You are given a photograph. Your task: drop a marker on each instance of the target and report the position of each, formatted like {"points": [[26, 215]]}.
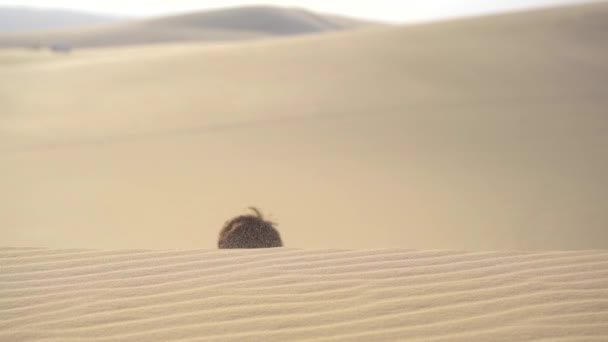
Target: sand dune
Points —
{"points": [[302, 295], [237, 23], [482, 133], [476, 134]]}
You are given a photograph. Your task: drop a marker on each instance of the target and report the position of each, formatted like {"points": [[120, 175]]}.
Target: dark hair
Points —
{"points": [[249, 231]]}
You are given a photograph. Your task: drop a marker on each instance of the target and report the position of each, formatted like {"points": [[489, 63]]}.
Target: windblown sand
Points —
{"points": [[302, 295], [475, 134]]}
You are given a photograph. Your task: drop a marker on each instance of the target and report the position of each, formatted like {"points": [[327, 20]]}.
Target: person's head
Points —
{"points": [[249, 231]]}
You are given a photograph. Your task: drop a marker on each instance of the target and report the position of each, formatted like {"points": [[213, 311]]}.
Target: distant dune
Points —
{"points": [[24, 19], [480, 133], [302, 295], [225, 24]]}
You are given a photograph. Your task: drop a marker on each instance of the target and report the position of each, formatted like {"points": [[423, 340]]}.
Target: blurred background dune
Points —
{"points": [[475, 133]]}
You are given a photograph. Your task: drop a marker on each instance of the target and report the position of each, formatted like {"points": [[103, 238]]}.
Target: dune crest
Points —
{"points": [[313, 295], [231, 24]]}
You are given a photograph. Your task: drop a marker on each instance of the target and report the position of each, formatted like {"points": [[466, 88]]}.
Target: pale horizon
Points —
{"points": [[383, 10]]}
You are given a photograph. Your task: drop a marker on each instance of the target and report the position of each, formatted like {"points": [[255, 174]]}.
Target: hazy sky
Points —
{"points": [[389, 10]]}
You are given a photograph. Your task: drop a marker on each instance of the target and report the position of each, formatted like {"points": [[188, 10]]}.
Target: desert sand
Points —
{"points": [[437, 182], [281, 294], [480, 133], [230, 24]]}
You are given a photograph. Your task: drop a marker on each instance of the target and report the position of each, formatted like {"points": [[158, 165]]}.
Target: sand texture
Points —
{"points": [[302, 295]]}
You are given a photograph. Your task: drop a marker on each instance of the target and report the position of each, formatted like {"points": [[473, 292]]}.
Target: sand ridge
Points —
{"points": [[229, 24], [304, 295]]}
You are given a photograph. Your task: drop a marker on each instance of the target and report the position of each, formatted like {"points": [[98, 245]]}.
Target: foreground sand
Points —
{"points": [[292, 294]]}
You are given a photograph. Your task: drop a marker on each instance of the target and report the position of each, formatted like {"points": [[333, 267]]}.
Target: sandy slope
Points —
{"points": [[302, 295], [238, 23], [486, 133]]}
